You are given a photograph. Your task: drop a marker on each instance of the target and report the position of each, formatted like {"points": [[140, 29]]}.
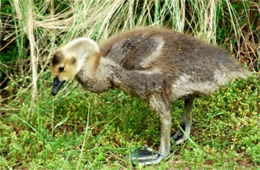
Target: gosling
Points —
{"points": [[158, 65]]}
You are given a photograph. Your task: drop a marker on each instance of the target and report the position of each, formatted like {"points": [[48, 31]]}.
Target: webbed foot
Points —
{"points": [[146, 156]]}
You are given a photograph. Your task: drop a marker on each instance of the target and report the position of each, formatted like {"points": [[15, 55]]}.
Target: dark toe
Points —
{"points": [[144, 154], [178, 136], [157, 160]]}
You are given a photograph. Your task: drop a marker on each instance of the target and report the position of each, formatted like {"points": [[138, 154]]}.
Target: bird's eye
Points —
{"points": [[61, 69]]}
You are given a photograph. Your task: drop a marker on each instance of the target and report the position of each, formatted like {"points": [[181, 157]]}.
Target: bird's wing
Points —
{"points": [[143, 54], [135, 52]]}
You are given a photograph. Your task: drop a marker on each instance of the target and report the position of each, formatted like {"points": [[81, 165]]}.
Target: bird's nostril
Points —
{"points": [[55, 81]]}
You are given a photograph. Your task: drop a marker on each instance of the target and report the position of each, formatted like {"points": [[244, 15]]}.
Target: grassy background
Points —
{"points": [[78, 129]]}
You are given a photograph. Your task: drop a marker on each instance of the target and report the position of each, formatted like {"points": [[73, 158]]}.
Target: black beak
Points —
{"points": [[56, 85]]}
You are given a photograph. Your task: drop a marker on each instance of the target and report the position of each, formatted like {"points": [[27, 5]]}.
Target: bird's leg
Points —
{"points": [[182, 135], [166, 122], [149, 156]]}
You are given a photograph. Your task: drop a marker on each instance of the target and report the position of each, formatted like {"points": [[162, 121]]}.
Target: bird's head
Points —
{"points": [[69, 59]]}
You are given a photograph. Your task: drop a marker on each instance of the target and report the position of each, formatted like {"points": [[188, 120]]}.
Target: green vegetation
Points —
{"points": [[81, 130]]}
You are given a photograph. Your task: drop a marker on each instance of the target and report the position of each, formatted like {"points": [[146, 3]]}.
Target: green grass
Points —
{"points": [[81, 130], [225, 132]]}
